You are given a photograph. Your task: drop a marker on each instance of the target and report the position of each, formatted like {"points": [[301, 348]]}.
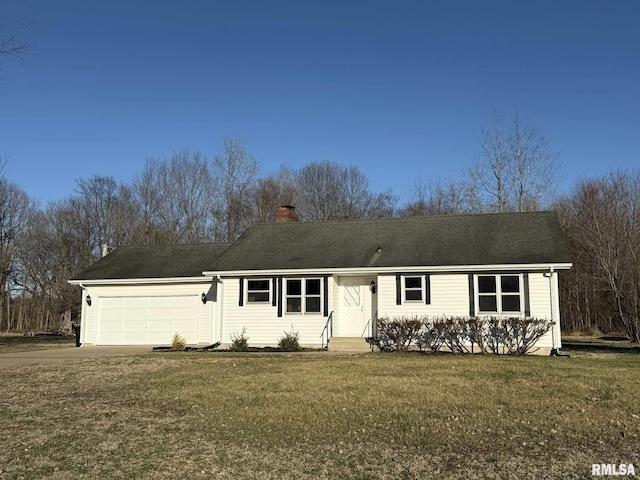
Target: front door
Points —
{"points": [[352, 303]]}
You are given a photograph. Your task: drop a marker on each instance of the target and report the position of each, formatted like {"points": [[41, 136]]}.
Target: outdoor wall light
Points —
{"points": [[203, 297], [372, 286], [88, 299]]}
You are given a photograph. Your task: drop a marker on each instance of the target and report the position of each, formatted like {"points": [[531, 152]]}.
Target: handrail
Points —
{"points": [[373, 321], [328, 328], [364, 330]]}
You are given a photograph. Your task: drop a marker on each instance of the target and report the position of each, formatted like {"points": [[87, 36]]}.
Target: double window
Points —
{"points": [[303, 295], [499, 294], [290, 295]]}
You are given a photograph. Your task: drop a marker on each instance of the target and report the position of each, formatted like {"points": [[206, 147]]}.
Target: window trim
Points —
{"points": [[247, 291], [425, 287], [498, 294], [303, 295], [307, 296], [406, 289]]}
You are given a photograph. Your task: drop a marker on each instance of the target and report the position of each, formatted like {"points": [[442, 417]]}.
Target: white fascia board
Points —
{"points": [[140, 281], [383, 270]]}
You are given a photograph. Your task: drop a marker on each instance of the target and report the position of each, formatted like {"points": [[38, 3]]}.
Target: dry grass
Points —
{"points": [[10, 343], [198, 415]]}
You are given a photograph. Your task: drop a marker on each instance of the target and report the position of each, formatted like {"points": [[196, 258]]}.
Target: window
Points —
{"points": [[413, 289], [499, 294], [294, 296], [258, 290], [312, 295], [304, 295]]}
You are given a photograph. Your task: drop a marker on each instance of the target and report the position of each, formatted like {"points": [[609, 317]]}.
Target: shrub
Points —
{"points": [[398, 333], [451, 332], [475, 333], [521, 334], [514, 335], [289, 342], [178, 343], [455, 334], [499, 335], [431, 337], [239, 342]]}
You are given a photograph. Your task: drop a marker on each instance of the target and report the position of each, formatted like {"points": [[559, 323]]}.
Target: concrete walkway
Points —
{"points": [[56, 355]]}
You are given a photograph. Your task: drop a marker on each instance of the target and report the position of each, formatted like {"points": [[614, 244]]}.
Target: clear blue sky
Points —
{"points": [[399, 88]]}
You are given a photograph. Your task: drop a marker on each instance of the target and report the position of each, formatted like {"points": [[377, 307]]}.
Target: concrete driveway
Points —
{"points": [[19, 359]]}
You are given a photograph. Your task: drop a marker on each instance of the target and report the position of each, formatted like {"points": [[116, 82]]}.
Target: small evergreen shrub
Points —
{"points": [[239, 342], [178, 343], [290, 341]]}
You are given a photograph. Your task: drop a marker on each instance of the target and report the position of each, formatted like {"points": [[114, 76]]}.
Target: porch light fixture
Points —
{"points": [[372, 286], [203, 297], [88, 299]]}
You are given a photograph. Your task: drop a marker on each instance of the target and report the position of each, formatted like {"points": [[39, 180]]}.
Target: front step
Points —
{"points": [[348, 344]]}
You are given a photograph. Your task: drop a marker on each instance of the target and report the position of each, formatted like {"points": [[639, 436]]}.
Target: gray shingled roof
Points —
{"points": [[489, 239], [155, 261]]}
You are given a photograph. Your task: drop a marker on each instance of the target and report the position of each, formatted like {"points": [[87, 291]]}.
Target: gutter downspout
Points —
{"points": [[555, 329], [83, 314]]}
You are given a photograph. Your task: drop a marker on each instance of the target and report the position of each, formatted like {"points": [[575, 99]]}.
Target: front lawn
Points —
{"points": [[10, 343], [197, 415]]}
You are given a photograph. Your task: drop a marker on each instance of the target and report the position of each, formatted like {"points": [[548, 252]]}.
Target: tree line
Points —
{"points": [[191, 197]]}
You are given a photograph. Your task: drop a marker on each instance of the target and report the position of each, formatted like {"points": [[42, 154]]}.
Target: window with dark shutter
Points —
{"points": [[258, 290]]}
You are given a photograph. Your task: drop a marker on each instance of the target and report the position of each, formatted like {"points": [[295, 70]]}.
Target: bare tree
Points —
{"points": [[438, 198], [235, 173], [328, 191], [174, 199], [602, 218], [145, 198], [95, 201], [16, 211], [516, 171], [271, 192], [51, 252], [11, 45]]}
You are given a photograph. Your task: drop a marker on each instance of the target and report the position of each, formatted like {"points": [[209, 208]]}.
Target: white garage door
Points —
{"points": [[147, 320]]}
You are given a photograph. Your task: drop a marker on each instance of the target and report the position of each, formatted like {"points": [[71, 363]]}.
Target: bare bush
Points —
{"points": [[460, 334], [398, 333], [515, 335]]}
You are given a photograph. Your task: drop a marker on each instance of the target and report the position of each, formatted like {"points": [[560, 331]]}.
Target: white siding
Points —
{"points": [[263, 326], [221, 316], [449, 296], [540, 302], [539, 295], [544, 304], [88, 321]]}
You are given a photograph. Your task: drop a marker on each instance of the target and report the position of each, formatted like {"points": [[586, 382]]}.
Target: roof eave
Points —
{"points": [[139, 281], [407, 269]]}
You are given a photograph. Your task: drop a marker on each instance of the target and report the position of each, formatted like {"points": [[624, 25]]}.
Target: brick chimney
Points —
{"points": [[285, 214]]}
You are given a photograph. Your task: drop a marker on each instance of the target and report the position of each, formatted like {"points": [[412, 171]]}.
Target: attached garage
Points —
{"points": [[145, 295], [147, 320]]}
